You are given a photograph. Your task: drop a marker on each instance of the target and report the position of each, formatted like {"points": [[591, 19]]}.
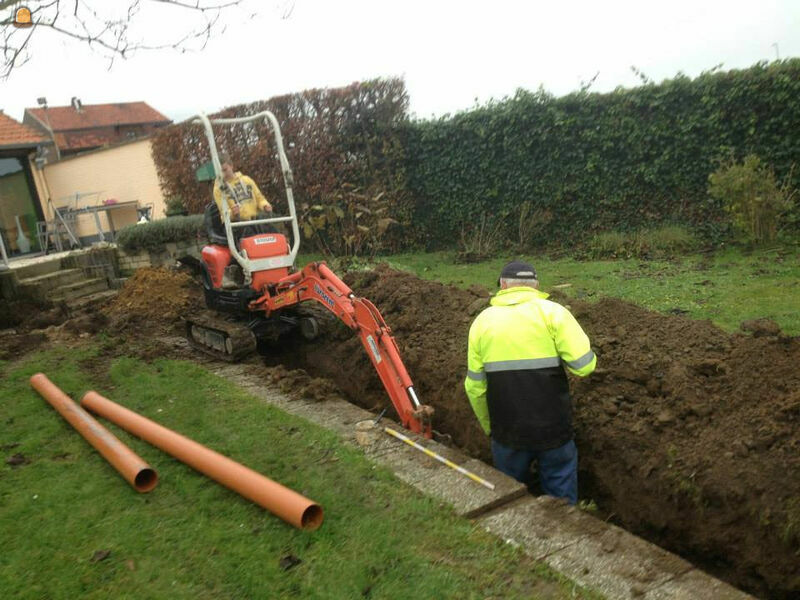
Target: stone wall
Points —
{"points": [[130, 261]]}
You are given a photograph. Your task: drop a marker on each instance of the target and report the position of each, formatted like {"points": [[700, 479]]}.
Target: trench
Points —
{"points": [[688, 436]]}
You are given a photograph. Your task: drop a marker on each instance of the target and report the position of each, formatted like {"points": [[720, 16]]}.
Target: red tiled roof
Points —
{"points": [[83, 139], [14, 133], [63, 118]]}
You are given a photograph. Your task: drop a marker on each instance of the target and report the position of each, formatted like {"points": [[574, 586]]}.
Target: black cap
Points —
{"points": [[517, 270]]}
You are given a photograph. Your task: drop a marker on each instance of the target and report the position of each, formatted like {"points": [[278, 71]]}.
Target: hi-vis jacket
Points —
{"points": [[243, 191], [518, 348]]}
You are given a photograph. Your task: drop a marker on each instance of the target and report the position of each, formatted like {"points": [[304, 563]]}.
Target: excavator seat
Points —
{"points": [[213, 225]]}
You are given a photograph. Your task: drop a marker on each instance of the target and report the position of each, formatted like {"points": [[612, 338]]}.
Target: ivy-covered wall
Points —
{"points": [[590, 161]]}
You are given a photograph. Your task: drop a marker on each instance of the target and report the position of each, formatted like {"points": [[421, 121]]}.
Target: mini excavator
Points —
{"points": [[272, 297]]}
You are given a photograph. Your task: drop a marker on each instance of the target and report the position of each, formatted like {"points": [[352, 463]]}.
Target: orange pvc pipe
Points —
{"points": [[281, 501], [135, 471]]}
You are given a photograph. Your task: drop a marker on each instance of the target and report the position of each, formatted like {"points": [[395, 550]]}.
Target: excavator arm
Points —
{"points": [[316, 282]]}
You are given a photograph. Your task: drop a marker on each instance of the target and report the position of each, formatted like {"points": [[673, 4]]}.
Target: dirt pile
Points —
{"points": [[154, 299], [688, 435]]}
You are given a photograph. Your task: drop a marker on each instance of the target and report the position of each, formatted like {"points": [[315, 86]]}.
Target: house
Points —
{"points": [[98, 190], [80, 127], [20, 204]]}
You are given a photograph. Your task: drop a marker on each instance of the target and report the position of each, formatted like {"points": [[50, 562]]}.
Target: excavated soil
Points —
{"points": [[154, 298], [688, 436]]}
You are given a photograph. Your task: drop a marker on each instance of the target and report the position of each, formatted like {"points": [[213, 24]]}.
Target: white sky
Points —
{"points": [[449, 52]]}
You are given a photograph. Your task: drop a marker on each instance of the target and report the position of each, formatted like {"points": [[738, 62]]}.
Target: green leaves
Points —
{"points": [[153, 235], [619, 161], [750, 192], [624, 160]]}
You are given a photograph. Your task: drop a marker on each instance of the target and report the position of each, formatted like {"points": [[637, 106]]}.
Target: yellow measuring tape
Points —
{"points": [[438, 457]]}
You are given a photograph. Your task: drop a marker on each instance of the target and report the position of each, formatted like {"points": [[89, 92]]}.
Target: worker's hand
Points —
{"points": [[235, 212]]}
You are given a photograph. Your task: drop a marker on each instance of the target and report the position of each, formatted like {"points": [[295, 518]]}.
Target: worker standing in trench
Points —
{"points": [[516, 384]]}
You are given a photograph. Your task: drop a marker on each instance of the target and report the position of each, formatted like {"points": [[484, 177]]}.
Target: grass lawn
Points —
{"points": [[728, 287], [192, 538]]}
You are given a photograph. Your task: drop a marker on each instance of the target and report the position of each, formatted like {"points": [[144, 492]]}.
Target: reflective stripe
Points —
{"points": [[477, 376], [525, 363], [582, 361]]}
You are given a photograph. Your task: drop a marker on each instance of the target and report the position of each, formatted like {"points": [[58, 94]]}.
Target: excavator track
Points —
{"points": [[219, 337]]}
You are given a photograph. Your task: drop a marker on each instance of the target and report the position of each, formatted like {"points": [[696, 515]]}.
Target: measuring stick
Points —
{"points": [[438, 457]]}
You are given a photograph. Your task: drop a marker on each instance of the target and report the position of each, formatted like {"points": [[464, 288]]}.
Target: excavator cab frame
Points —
{"points": [[250, 266]]}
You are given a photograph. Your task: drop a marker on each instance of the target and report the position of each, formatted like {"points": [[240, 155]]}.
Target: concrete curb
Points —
{"points": [[583, 548]]}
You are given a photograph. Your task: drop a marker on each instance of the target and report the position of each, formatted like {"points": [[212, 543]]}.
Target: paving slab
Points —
{"points": [[467, 497], [617, 563], [541, 525], [695, 585], [599, 555]]}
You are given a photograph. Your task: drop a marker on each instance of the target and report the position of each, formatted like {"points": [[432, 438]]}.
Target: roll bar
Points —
{"points": [[263, 264]]}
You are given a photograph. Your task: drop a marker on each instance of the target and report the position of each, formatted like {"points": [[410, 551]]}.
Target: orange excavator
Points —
{"points": [[273, 297]]}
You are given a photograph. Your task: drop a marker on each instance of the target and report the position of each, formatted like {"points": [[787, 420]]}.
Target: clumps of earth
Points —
{"points": [[297, 382], [154, 297]]}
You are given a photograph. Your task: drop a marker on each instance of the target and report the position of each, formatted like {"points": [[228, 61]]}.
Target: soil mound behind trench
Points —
{"points": [[687, 435]]}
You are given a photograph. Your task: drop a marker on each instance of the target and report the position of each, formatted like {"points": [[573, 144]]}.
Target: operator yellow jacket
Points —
{"points": [[243, 191], [516, 384]]}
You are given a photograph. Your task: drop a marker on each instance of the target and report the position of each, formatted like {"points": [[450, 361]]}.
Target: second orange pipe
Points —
{"points": [[281, 501]]}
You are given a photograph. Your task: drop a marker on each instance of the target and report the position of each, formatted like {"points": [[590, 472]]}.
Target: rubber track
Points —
{"points": [[243, 340]]}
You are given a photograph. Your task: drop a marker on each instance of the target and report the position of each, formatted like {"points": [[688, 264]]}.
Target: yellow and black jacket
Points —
{"points": [[516, 384], [241, 190]]}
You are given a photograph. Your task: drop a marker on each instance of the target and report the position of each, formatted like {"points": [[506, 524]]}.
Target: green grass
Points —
{"points": [[728, 287], [192, 538], [657, 242]]}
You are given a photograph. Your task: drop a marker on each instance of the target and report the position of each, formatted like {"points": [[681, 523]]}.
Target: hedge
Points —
{"points": [[574, 165], [334, 139], [153, 235], [593, 162]]}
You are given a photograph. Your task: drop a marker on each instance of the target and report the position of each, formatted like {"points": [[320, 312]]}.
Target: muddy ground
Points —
{"points": [[688, 436]]}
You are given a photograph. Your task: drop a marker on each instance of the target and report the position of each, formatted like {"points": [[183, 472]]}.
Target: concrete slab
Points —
{"points": [[78, 289], [541, 525], [85, 303], [695, 585], [594, 553], [338, 416], [617, 563], [467, 497], [49, 281]]}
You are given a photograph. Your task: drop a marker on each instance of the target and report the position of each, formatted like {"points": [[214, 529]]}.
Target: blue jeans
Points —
{"points": [[558, 468]]}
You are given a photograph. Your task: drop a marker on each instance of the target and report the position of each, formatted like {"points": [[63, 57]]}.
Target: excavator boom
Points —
{"points": [[316, 282]]}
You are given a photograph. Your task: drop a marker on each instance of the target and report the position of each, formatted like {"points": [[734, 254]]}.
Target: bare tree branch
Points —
{"points": [[107, 27]]}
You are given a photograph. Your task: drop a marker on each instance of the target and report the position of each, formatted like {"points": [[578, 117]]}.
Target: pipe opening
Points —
{"points": [[146, 480], [312, 517]]}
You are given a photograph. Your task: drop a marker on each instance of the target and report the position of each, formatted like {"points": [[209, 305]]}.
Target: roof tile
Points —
{"points": [[64, 118], [14, 133]]}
